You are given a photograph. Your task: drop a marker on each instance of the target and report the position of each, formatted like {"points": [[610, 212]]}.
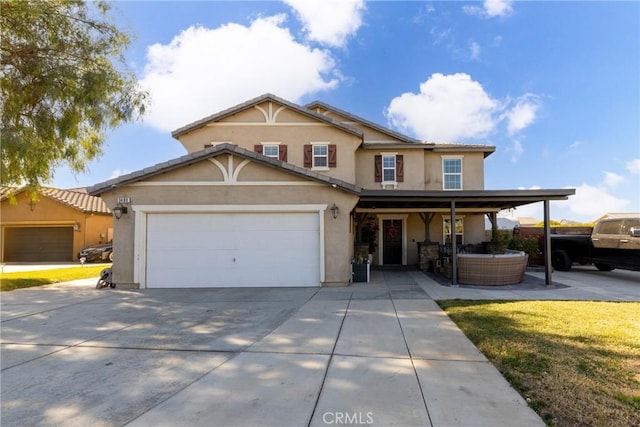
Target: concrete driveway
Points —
{"points": [[379, 354]]}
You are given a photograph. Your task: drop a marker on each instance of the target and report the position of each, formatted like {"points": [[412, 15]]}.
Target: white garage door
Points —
{"points": [[232, 249]]}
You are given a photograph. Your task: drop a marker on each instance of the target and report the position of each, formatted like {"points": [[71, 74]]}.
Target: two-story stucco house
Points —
{"points": [[276, 194]]}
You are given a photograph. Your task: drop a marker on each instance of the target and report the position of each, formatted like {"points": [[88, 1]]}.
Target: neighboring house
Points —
{"points": [[527, 221], [277, 194], [53, 228]]}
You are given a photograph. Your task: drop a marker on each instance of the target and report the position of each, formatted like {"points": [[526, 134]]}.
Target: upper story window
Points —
{"points": [[270, 150], [275, 150], [452, 173], [320, 156], [389, 168]]}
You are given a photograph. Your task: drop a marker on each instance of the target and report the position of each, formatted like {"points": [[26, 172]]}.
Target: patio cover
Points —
{"points": [[487, 201]]}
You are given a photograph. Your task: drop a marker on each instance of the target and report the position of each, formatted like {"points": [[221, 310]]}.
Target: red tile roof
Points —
{"points": [[77, 198]]}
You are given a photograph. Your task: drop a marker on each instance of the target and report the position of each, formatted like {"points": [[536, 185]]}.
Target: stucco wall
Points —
{"points": [[295, 130], [48, 213], [472, 170], [413, 168], [338, 237]]}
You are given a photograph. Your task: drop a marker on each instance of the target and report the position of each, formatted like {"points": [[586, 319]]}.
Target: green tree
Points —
{"points": [[64, 82]]}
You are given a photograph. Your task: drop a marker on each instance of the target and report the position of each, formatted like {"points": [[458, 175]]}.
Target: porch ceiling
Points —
{"points": [[489, 200]]}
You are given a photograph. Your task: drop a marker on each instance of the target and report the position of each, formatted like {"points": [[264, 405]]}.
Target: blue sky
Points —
{"points": [[555, 86]]}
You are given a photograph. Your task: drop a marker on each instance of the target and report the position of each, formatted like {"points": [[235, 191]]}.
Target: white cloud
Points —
{"points": [[439, 35], [329, 22], [575, 145], [475, 50], [491, 9], [202, 71], [452, 107], [516, 150], [448, 107], [633, 166], [523, 113], [497, 8], [591, 202], [612, 179], [119, 172]]}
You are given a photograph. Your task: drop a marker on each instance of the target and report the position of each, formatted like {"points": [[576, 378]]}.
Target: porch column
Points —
{"points": [[426, 219], [454, 246], [547, 245]]}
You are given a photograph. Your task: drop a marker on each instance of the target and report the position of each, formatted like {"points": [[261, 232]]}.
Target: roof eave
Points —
{"points": [[216, 151], [363, 121]]}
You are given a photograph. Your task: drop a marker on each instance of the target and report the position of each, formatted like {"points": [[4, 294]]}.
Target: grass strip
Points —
{"points": [[575, 362], [28, 279]]}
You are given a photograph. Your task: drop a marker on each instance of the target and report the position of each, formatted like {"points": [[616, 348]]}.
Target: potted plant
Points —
{"points": [[360, 269]]}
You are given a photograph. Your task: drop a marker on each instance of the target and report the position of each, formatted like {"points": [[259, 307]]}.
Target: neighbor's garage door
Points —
{"points": [[232, 249], [38, 244]]}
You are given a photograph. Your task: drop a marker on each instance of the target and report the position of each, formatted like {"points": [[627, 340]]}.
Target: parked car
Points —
{"points": [[614, 243], [99, 253]]}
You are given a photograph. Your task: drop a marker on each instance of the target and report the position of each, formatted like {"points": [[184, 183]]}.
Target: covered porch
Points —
{"points": [[390, 224]]}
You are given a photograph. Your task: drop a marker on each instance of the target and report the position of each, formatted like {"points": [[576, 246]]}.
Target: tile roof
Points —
{"points": [[255, 101], [382, 129], [214, 151], [76, 198]]}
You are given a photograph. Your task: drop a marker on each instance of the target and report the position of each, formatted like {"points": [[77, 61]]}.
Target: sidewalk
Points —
{"points": [[380, 354]]}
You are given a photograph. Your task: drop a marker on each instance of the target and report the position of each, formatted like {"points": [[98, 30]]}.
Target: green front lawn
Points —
{"points": [[27, 279], [575, 362]]}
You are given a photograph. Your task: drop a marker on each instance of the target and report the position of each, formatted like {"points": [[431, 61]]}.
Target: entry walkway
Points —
{"points": [[381, 353]]}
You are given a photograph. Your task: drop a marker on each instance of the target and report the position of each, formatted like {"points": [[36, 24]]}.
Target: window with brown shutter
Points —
{"points": [[282, 154], [400, 168], [378, 168], [333, 154], [257, 148], [308, 156]]}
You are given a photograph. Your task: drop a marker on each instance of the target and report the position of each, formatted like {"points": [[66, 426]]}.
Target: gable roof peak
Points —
{"points": [[258, 100]]}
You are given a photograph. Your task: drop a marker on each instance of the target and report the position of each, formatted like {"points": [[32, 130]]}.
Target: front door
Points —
{"points": [[392, 241]]}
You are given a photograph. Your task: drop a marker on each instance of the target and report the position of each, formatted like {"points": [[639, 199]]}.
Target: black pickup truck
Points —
{"points": [[613, 243]]}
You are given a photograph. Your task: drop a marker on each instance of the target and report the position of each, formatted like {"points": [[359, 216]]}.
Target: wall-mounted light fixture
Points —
{"points": [[334, 210], [119, 210], [76, 226]]}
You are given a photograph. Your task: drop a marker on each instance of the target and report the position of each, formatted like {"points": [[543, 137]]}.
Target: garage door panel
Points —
{"points": [[38, 244], [233, 249]]}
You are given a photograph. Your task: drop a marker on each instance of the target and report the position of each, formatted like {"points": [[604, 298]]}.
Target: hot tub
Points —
{"points": [[499, 269]]}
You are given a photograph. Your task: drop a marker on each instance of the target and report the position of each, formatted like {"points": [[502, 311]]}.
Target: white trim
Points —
{"points": [[385, 153], [221, 183], [270, 143], [381, 218], [229, 175], [244, 124], [313, 155], [384, 184], [461, 158], [225, 175], [142, 211], [270, 116]]}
